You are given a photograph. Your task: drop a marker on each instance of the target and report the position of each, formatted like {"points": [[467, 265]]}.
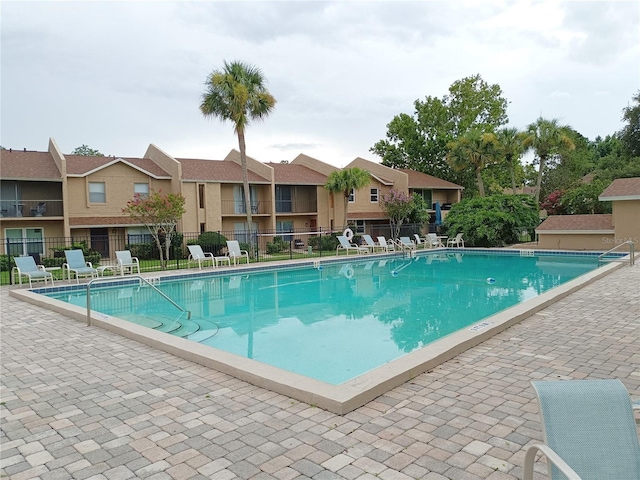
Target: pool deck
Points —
{"points": [[82, 402]]}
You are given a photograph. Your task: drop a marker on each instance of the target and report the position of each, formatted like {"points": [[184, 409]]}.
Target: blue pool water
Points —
{"points": [[342, 320]]}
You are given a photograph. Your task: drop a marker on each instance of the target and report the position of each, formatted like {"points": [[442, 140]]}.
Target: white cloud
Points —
{"points": [[120, 75]]}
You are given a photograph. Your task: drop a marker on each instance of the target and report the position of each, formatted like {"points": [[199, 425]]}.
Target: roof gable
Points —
{"points": [[292, 174], [83, 166], [622, 189], [216, 171], [423, 180]]}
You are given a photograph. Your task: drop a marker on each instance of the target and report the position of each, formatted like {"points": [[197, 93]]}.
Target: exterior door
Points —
{"points": [[100, 241]]}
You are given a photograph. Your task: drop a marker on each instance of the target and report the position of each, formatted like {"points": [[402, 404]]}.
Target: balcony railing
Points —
{"points": [[258, 207], [31, 208], [296, 206]]}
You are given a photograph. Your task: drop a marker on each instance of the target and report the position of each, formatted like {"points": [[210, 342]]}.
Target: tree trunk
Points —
{"points": [[539, 181], [245, 185], [345, 199], [167, 247], [156, 235], [480, 182], [512, 172]]}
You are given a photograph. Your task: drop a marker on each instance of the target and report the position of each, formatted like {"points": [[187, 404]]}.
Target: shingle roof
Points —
{"points": [[82, 165], [422, 180], [216, 171], [577, 223], [622, 189], [20, 165], [296, 174]]}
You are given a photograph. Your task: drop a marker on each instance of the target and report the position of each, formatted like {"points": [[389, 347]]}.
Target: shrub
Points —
{"points": [[212, 242], [325, 243], [277, 246], [492, 221], [6, 263], [149, 251]]}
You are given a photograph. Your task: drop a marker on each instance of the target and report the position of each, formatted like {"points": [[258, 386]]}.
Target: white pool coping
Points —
{"points": [[339, 399]]}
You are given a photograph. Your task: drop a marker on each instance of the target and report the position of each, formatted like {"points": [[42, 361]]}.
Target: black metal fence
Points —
{"points": [[262, 246]]}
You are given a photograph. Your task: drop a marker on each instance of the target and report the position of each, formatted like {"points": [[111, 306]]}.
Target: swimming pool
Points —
{"points": [[339, 321]]}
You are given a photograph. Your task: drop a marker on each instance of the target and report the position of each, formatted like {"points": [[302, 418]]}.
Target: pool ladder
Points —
{"points": [[632, 258], [119, 279]]}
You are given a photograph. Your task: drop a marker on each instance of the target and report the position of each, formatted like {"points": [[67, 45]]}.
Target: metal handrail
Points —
{"points": [[120, 279], [631, 251]]}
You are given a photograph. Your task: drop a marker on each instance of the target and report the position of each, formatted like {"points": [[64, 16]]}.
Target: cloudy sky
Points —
{"points": [[118, 76]]}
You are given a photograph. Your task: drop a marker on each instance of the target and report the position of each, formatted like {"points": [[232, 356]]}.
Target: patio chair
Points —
{"points": [[77, 264], [126, 263], [39, 209], [348, 246], [235, 252], [435, 241], [370, 244], [406, 244], [456, 241], [196, 255], [419, 243], [386, 246], [589, 431], [26, 267]]}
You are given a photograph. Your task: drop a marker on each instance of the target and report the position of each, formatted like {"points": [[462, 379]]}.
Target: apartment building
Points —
{"points": [[55, 195]]}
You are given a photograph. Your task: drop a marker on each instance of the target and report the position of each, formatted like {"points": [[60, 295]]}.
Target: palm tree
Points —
{"points": [[510, 146], [547, 139], [343, 181], [475, 149], [238, 93]]}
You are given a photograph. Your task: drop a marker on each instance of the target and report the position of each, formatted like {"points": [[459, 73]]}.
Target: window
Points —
{"points": [[283, 199], [97, 192], [352, 196], [24, 241], [285, 227], [238, 199], [374, 195], [201, 195], [426, 194], [138, 235], [203, 227], [360, 226], [242, 234], [141, 190]]}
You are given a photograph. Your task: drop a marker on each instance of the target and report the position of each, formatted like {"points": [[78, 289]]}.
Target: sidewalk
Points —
{"points": [[80, 402]]}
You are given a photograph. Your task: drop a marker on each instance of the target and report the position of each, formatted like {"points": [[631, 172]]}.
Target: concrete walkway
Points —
{"points": [[80, 402]]}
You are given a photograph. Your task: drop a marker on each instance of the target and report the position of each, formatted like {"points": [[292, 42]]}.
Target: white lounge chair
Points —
{"points": [[235, 252], [387, 246], [196, 255], [370, 244], [456, 241], [406, 244], [77, 264], [126, 263], [26, 267], [435, 241], [589, 431], [348, 246], [419, 243]]}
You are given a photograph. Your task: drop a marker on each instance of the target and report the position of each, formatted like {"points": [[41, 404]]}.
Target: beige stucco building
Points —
{"points": [[599, 231], [55, 195]]}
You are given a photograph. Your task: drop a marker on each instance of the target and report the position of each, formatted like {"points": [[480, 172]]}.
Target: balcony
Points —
{"points": [[296, 206], [31, 208], [232, 207]]}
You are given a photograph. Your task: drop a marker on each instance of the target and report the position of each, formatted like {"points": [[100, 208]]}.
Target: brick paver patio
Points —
{"points": [[80, 402]]}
